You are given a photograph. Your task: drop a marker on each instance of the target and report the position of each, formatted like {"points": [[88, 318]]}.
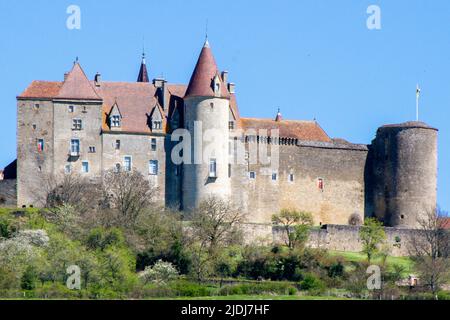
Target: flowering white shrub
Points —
{"points": [[160, 273], [37, 238]]}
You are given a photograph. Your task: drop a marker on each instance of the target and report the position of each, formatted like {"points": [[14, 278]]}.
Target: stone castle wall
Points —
{"points": [[341, 168], [331, 237], [8, 190]]}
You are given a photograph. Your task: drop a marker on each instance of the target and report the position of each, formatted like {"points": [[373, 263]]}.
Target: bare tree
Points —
{"points": [[125, 195], [72, 190], [430, 251], [214, 226]]}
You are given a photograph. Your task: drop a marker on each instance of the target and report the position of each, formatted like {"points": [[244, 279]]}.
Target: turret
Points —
{"points": [[404, 173], [207, 104]]}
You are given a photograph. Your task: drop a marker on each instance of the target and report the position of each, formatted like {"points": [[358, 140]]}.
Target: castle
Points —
{"points": [[89, 126]]}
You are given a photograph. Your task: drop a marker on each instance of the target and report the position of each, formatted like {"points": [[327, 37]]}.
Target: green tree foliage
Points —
{"points": [[296, 225], [372, 235]]}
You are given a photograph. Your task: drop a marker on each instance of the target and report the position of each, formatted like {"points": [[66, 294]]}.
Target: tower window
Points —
{"points": [[117, 145], [85, 167], [77, 124], [153, 167], [71, 109], [41, 145], [127, 163], [153, 144], [115, 121], [252, 175], [212, 168], [274, 176]]}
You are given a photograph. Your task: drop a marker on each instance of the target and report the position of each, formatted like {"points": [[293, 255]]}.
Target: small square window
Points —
{"points": [[67, 169], [231, 125], [71, 109], [91, 149], [77, 124], [85, 167], [274, 176], [117, 145], [153, 144], [252, 175], [291, 177]]}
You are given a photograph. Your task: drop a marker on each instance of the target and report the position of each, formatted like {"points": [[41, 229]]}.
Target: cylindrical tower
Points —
{"points": [[206, 116], [405, 173]]}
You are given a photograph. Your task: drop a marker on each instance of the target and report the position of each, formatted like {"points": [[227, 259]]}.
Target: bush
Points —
{"points": [[278, 288], [312, 284], [191, 289], [161, 272]]}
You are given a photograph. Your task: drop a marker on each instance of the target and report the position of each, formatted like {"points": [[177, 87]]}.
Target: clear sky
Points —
{"points": [[313, 59]]}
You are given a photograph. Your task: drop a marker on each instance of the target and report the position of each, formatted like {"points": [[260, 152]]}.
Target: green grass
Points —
{"points": [[405, 262]]}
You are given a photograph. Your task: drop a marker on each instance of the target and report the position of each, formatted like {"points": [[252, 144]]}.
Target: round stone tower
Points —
{"points": [[405, 173], [206, 114]]}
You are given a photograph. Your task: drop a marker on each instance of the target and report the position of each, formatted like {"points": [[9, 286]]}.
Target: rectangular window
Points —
{"points": [[91, 149], [71, 109], [117, 145], [252, 175], [77, 124], [320, 184], [231, 125], [229, 170], [85, 167], [153, 144], [291, 177], [153, 167], [75, 147], [212, 168], [67, 169], [274, 176], [41, 145], [157, 125], [127, 163], [115, 121]]}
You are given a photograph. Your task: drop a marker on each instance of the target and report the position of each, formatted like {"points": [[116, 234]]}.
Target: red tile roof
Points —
{"points": [[41, 90], [445, 223], [77, 86], [302, 130], [203, 75]]}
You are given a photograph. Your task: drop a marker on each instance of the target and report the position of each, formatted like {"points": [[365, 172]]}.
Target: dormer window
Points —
{"points": [[157, 125], [115, 121], [216, 85]]}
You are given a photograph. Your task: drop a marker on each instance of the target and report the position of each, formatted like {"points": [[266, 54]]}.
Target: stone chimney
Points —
{"points": [[225, 77], [98, 79], [231, 87], [160, 85]]}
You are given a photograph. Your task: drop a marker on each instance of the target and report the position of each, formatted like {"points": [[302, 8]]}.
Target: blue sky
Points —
{"points": [[313, 59]]}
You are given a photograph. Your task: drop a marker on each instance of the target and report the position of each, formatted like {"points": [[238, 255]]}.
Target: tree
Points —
{"points": [[70, 189], [214, 226], [296, 225], [430, 251], [126, 194], [160, 273], [372, 235]]}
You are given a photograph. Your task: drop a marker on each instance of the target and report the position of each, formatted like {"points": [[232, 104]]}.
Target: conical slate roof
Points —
{"points": [[204, 73], [77, 86]]}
